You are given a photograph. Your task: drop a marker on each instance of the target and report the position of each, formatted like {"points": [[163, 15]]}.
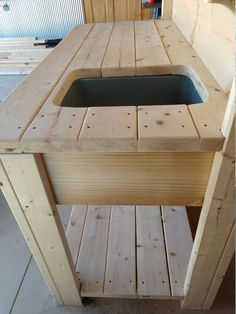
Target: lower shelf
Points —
{"points": [[130, 251]]}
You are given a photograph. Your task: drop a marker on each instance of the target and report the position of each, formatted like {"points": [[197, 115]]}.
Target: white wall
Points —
{"points": [[210, 29]]}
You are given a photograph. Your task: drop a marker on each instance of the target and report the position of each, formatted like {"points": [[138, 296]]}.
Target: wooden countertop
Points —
{"points": [[31, 120]]}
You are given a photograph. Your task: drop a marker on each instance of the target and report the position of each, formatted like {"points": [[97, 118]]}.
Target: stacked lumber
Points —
{"points": [[21, 55]]}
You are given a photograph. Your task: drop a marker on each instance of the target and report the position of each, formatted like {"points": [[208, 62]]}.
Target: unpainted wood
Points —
{"points": [[166, 9], [163, 127], [210, 30], [152, 272], [215, 224], [151, 57], [57, 129], [19, 109], [130, 178], [92, 256], [223, 265], [208, 116], [119, 59], [109, 129], [120, 277], [41, 222], [75, 230], [179, 243]]}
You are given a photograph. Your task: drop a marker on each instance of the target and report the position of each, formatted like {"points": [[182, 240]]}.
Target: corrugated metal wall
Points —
{"points": [[42, 18]]}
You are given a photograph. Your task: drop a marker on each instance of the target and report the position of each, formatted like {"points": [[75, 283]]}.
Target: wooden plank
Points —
{"points": [[152, 273], [222, 267], [133, 10], [120, 10], [75, 230], [151, 57], [121, 265], [29, 180], [130, 178], [208, 116], [179, 243], [92, 255], [109, 129], [103, 11], [18, 110], [57, 129], [88, 11], [54, 129], [166, 128], [88, 61], [119, 59], [166, 9], [215, 223], [13, 71], [21, 47]]}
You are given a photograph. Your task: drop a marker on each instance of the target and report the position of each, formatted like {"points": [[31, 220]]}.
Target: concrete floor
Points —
{"points": [[23, 290]]}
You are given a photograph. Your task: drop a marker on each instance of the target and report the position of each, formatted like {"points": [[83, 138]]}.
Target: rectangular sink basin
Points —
{"points": [[131, 91]]}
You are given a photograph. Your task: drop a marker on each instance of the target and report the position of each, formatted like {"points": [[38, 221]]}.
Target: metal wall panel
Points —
{"points": [[42, 18]]}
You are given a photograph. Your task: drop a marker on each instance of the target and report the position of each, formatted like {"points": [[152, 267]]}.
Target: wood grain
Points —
{"points": [[130, 178]]}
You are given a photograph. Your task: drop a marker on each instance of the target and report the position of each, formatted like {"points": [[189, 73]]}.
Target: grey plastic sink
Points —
{"points": [[128, 91]]}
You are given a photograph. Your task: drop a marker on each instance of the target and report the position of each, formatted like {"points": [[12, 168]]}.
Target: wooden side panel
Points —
{"points": [[109, 129], [97, 11], [210, 29], [119, 59], [152, 272], [103, 11], [29, 180], [134, 10], [120, 10], [88, 11], [112, 10], [179, 243], [121, 264], [75, 230], [130, 178], [92, 256], [151, 57]]}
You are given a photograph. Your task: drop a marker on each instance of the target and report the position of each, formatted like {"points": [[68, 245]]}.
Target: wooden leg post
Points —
{"points": [[25, 185], [166, 10], [213, 245]]}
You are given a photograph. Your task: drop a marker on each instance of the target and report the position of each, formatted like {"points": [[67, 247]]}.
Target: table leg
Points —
{"points": [[212, 246], [24, 182]]}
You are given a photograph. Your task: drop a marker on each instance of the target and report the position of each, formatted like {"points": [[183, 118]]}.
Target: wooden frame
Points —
{"points": [[34, 208], [37, 135]]}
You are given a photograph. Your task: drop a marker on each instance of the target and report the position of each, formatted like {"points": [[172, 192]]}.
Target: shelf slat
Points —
{"points": [[153, 280], [179, 245], [130, 251], [92, 255], [75, 229], [121, 261]]}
